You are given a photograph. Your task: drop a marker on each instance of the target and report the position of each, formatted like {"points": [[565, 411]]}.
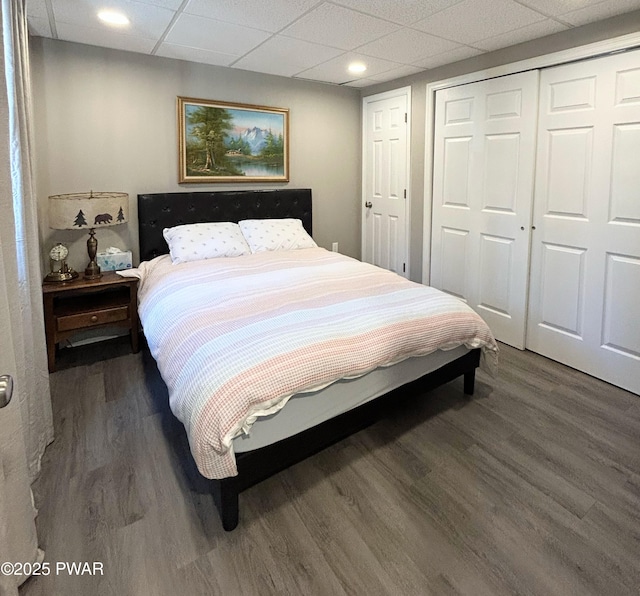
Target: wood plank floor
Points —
{"points": [[530, 487]]}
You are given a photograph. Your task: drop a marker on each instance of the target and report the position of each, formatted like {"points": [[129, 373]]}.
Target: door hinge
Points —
{"points": [[404, 267], [405, 117], [405, 193]]}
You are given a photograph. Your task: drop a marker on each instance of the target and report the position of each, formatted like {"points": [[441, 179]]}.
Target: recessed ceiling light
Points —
{"points": [[113, 18], [357, 67]]}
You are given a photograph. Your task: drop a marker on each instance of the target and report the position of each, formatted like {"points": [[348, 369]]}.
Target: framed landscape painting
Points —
{"points": [[231, 142]]}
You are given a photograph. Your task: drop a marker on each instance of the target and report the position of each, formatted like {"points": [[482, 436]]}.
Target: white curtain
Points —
{"points": [[25, 297], [26, 423]]}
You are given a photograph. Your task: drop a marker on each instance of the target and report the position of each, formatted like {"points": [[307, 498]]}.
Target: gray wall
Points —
{"points": [[105, 120], [615, 27]]}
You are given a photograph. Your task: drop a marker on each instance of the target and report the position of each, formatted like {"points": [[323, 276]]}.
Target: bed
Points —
{"points": [[225, 332]]}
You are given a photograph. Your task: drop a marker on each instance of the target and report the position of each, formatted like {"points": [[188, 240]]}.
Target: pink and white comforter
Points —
{"points": [[235, 338]]}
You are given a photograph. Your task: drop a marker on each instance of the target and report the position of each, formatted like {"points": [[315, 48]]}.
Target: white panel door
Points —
{"points": [[385, 175], [585, 265], [484, 156]]}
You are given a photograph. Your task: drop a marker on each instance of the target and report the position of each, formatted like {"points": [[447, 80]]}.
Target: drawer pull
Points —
{"points": [[94, 319]]}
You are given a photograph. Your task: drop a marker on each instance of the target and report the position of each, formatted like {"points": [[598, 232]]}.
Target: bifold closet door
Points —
{"points": [[484, 156], [584, 306]]}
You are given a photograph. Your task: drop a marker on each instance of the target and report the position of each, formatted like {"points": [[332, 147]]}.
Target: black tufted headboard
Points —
{"points": [[165, 210]]}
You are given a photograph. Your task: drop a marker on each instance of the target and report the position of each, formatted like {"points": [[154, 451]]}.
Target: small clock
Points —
{"points": [[58, 254]]}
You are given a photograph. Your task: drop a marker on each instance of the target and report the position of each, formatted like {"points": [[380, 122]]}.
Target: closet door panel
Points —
{"points": [[455, 249], [456, 172], [619, 333], [562, 291], [570, 154], [501, 173], [625, 177], [484, 155], [584, 305], [496, 258]]}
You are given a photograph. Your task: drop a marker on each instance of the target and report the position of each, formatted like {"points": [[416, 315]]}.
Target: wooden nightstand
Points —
{"points": [[81, 304]]}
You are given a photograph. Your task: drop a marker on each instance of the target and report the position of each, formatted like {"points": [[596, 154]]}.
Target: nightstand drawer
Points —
{"points": [[88, 319]]}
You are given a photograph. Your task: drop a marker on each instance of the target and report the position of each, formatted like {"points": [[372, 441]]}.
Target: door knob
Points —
{"points": [[368, 204], [6, 390]]}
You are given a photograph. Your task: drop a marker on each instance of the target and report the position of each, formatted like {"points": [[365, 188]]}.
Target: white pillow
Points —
{"points": [[275, 234], [195, 242]]}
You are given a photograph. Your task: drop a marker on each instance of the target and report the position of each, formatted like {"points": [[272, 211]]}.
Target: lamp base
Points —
{"points": [[93, 269]]}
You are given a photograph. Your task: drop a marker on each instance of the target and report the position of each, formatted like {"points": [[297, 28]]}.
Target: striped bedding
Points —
{"points": [[235, 338]]}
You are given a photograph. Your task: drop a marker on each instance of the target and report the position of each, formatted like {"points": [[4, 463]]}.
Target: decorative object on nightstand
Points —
{"points": [[88, 210], [58, 254]]}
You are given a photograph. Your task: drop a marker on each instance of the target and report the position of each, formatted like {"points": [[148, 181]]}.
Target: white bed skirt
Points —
{"points": [[306, 410]]}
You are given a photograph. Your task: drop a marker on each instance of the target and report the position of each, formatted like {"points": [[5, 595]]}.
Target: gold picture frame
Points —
{"points": [[220, 141]]}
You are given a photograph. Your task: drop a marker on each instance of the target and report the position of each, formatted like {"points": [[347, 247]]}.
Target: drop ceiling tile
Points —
{"points": [[461, 53], [527, 33], [39, 27], [268, 16], [171, 4], [335, 71], [170, 50], [472, 20], [360, 83], [600, 11], [214, 36], [37, 9], [557, 7], [396, 73], [286, 56], [401, 71], [146, 20], [105, 38], [407, 46], [338, 27], [406, 12]]}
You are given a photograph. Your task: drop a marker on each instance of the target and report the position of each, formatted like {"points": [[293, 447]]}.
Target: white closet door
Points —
{"points": [[484, 156], [585, 270]]}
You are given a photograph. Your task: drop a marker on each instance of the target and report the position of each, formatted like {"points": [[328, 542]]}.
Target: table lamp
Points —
{"points": [[89, 210]]}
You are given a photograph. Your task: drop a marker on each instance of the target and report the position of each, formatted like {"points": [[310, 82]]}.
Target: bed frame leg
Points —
{"points": [[225, 495], [469, 382]]}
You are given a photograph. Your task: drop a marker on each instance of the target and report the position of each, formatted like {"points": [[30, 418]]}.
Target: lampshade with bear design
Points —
{"points": [[88, 210]]}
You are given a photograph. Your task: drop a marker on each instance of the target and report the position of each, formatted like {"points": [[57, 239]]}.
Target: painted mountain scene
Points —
{"points": [[234, 144]]}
